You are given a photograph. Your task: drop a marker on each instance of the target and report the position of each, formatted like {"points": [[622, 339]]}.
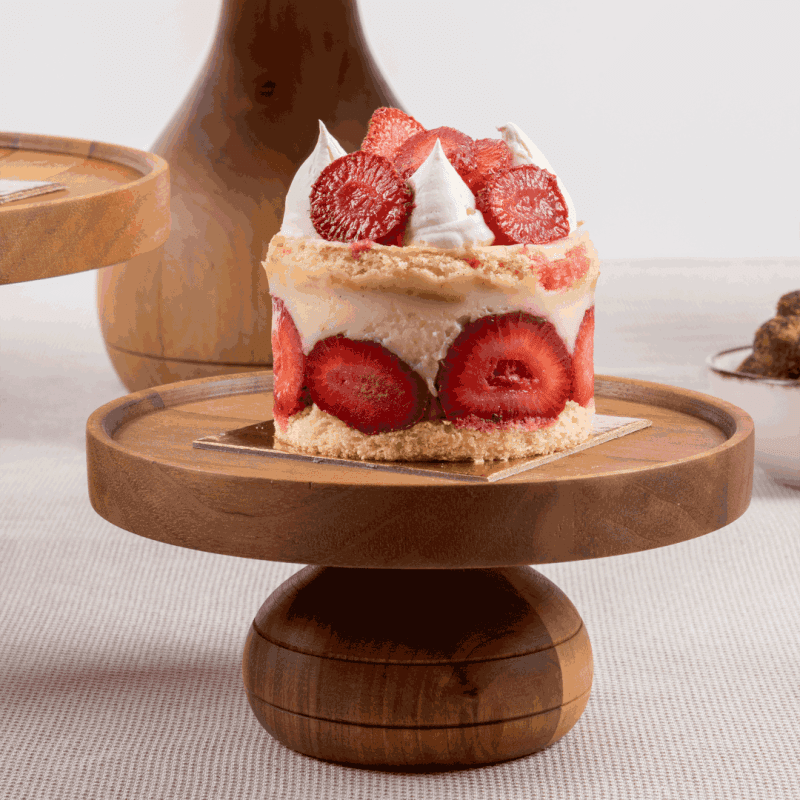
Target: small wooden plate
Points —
{"points": [[115, 205], [689, 473]]}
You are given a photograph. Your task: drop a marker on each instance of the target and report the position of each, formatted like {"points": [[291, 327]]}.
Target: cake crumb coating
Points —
{"points": [[421, 270], [315, 432]]}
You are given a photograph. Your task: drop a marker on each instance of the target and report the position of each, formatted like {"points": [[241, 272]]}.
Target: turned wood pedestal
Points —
{"points": [[408, 668], [421, 640]]}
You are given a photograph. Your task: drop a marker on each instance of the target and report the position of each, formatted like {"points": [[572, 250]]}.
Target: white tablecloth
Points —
{"points": [[120, 657]]}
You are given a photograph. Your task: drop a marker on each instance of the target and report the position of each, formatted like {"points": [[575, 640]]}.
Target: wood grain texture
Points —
{"points": [[115, 206], [410, 668], [276, 68], [688, 474], [143, 371]]}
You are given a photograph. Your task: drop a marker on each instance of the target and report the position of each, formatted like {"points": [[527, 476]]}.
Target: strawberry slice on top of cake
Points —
{"points": [[433, 299]]}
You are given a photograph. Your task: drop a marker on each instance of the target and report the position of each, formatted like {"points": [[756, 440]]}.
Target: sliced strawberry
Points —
{"points": [[359, 248], [457, 146], [359, 196], [365, 385], [434, 410], [395, 239], [288, 365], [505, 367], [563, 272], [388, 128], [488, 426], [524, 205], [583, 361], [492, 156]]}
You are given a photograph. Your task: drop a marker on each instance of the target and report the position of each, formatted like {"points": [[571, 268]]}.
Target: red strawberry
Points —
{"points": [[359, 248], [564, 272], [288, 365], [524, 205], [506, 367], [488, 426], [359, 196], [492, 157], [365, 385], [388, 128], [583, 361], [458, 147]]}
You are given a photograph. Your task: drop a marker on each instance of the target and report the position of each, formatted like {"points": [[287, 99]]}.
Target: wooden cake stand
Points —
{"points": [[115, 204], [445, 650]]}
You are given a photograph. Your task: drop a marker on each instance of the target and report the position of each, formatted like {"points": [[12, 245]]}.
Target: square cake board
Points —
{"points": [[259, 439]]}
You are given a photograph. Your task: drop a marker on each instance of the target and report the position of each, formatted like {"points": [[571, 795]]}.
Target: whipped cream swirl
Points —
{"points": [[444, 212], [297, 209]]}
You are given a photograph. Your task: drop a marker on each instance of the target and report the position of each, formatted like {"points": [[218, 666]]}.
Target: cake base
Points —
{"points": [[316, 432]]}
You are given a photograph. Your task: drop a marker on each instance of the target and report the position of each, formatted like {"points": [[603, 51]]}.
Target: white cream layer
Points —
{"points": [[418, 330]]}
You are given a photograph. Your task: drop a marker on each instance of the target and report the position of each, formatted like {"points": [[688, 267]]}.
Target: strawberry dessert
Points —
{"points": [[433, 299]]}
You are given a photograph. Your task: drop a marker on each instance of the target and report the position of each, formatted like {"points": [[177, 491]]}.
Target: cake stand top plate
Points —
{"points": [[688, 474], [116, 205]]}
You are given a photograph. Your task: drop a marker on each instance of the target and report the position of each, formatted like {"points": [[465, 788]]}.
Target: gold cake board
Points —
{"points": [[259, 439]]}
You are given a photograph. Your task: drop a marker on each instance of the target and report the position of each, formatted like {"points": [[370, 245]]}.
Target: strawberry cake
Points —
{"points": [[433, 299]]}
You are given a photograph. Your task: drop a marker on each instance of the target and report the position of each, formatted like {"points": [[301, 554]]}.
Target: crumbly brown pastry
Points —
{"points": [[789, 305], [776, 345]]}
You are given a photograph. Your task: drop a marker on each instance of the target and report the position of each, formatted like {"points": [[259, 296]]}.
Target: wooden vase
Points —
{"points": [[199, 305]]}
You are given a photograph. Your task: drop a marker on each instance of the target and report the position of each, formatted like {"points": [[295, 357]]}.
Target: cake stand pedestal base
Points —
{"points": [[414, 646], [406, 669]]}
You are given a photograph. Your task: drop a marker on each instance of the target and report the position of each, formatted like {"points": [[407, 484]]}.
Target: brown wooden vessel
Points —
{"points": [[115, 204], [418, 668], [200, 305], [421, 640]]}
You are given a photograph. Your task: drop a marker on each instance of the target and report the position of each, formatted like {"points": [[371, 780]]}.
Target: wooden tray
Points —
{"points": [[688, 474], [431, 666], [115, 206]]}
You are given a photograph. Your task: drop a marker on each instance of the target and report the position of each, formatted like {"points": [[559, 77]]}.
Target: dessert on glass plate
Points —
{"points": [[433, 300]]}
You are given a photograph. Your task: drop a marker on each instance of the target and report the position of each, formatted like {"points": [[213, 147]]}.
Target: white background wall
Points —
{"points": [[675, 126]]}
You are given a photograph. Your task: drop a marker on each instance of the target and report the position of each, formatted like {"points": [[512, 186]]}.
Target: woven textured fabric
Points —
{"points": [[120, 657]]}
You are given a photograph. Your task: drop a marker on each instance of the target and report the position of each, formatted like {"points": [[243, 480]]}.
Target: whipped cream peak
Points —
{"points": [[444, 213], [297, 209], [524, 151]]}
